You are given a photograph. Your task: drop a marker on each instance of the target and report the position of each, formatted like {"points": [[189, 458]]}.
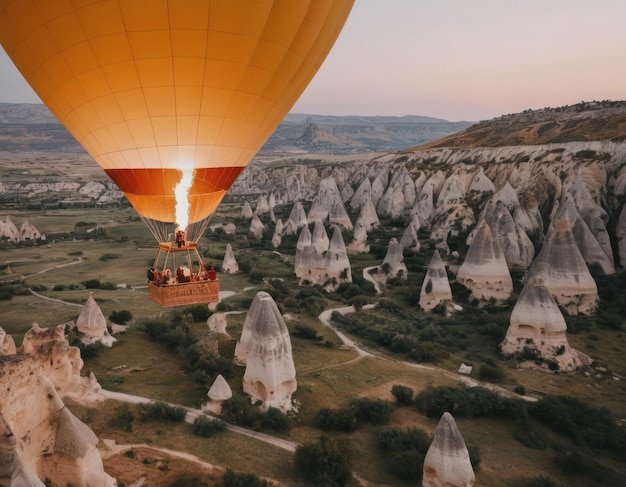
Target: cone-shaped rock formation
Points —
{"points": [[538, 327], [270, 375], [92, 325], [230, 265], [564, 272], [447, 462], [484, 270], [436, 287]]}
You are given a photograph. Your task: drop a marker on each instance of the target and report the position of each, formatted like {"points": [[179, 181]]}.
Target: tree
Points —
{"points": [[326, 463]]}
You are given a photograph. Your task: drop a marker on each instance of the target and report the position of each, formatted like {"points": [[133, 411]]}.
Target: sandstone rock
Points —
{"points": [[310, 266], [7, 345], [220, 390], [217, 323], [362, 194], [277, 237], [304, 239], [420, 179], [230, 265], [270, 376], [447, 462], [246, 211], [452, 192], [359, 244], [347, 193], [507, 197], [319, 238], [368, 218], [8, 231], [451, 221], [393, 266], [256, 228], [589, 247], [297, 219], [518, 249], [538, 327], [61, 362], [11, 466], [564, 272], [436, 287], [262, 205], [92, 325], [484, 270], [592, 214], [481, 184], [409, 238], [392, 202], [337, 262], [29, 232], [424, 207], [329, 205], [379, 185], [271, 201], [51, 442]]}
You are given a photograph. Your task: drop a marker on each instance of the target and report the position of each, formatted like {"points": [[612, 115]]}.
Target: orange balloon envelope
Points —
{"points": [[169, 93]]}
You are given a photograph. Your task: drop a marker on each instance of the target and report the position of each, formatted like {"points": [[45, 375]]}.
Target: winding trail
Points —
{"points": [[192, 414]]}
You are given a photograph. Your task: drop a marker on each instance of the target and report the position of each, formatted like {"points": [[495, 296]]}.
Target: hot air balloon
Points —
{"points": [[172, 98]]}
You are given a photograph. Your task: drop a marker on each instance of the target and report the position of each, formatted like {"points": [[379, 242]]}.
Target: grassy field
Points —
{"points": [[329, 375]]}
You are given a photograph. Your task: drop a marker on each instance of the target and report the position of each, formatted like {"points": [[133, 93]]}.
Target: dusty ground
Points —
{"points": [[142, 465]]}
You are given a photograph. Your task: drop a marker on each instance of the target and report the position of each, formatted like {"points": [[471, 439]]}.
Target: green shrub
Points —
{"points": [[336, 419], [467, 402], [275, 420], [397, 439], [584, 424], [238, 410], [92, 283], [109, 256], [199, 312], [206, 427], [403, 394], [374, 411], [161, 411], [490, 374], [121, 317], [325, 463], [123, 418], [404, 451], [59, 287], [302, 330], [237, 479]]}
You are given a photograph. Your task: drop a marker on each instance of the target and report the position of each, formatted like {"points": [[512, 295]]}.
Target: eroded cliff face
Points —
{"points": [[39, 437]]}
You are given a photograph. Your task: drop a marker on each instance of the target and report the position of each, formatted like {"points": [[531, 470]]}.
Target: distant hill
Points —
{"points": [[325, 133], [27, 127], [583, 122]]}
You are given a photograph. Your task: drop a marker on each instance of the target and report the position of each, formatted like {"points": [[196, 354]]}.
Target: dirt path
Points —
{"points": [[34, 293], [192, 414]]}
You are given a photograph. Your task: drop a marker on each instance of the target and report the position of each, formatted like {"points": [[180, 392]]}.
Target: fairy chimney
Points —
{"points": [[7, 345], [564, 272], [229, 265], [270, 376], [436, 287], [447, 461], [484, 271], [92, 325], [538, 328]]}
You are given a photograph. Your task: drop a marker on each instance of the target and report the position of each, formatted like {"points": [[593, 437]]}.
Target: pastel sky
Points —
{"points": [[457, 59]]}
